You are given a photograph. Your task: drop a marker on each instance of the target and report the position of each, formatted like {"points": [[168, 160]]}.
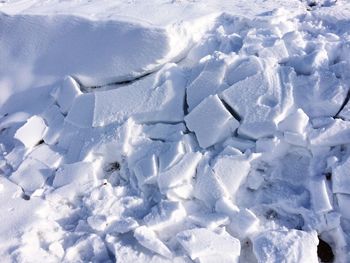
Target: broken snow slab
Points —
{"points": [[211, 121], [143, 100], [232, 171], [147, 238], [260, 101], [78, 173], [31, 175], [336, 133], [65, 94], [286, 246], [165, 218], [179, 175], [341, 179], [31, 132], [202, 242]]}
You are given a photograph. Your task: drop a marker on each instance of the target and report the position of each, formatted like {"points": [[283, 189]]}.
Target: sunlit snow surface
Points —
{"points": [[174, 131]]}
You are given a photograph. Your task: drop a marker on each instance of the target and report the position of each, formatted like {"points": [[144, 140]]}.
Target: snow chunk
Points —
{"points": [[207, 83], [146, 170], [320, 199], [165, 217], [171, 154], [54, 120], [243, 221], [286, 246], [31, 132], [201, 242], [82, 111], [31, 175], [259, 100], [208, 114], [344, 203], [341, 179], [180, 174], [232, 171], [208, 186], [66, 93], [76, 173], [334, 134], [148, 239], [295, 122]]}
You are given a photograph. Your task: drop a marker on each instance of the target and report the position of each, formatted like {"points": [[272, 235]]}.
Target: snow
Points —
{"points": [[174, 131], [210, 112]]}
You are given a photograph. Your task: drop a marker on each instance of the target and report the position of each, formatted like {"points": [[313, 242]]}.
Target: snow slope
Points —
{"points": [[174, 131]]}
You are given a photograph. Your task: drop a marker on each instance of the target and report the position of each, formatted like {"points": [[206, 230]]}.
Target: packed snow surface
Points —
{"points": [[175, 131]]}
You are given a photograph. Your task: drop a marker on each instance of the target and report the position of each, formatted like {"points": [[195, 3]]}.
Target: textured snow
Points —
{"points": [[174, 131]]}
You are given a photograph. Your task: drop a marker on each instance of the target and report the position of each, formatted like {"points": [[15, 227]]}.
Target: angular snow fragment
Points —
{"points": [[242, 69], [211, 122], [239, 143], [47, 155], [344, 204], [31, 132], [202, 242], [31, 175], [82, 111], [319, 95], [89, 247], [165, 216], [243, 221], [277, 52], [309, 63], [78, 173], [231, 171], [123, 225], [171, 155], [286, 246], [341, 178], [66, 93], [320, 198], [146, 170], [163, 131], [336, 133], [295, 138], [345, 112], [295, 122], [97, 222], [207, 83], [180, 174], [147, 238], [54, 120], [209, 220], [259, 101], [208, 186]]}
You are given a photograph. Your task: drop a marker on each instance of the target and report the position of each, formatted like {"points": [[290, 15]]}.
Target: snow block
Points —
{"points": [[254, 100], [208, 186], [207, 83], [147, 238], [334, 134], [243, 221], [211, 122], [77, 174], [66, 93], [146, 170], [341, 178], [31, 132], [344, 204], [165, 216], [82, 111], [202, 242], [295, 122], [180, 174], [320, 198], [231, 171], [286, 246], [31, 175], [170, 155], [54, 120]]}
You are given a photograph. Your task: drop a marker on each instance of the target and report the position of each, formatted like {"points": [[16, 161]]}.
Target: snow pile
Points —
{"points": [[239, 152]]}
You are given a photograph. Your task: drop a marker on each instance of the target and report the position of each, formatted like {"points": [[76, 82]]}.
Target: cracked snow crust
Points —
{"points": [[222, 138]]}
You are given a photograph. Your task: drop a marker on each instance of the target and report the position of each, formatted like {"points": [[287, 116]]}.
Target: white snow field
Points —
{"points": [[207, 131]]}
